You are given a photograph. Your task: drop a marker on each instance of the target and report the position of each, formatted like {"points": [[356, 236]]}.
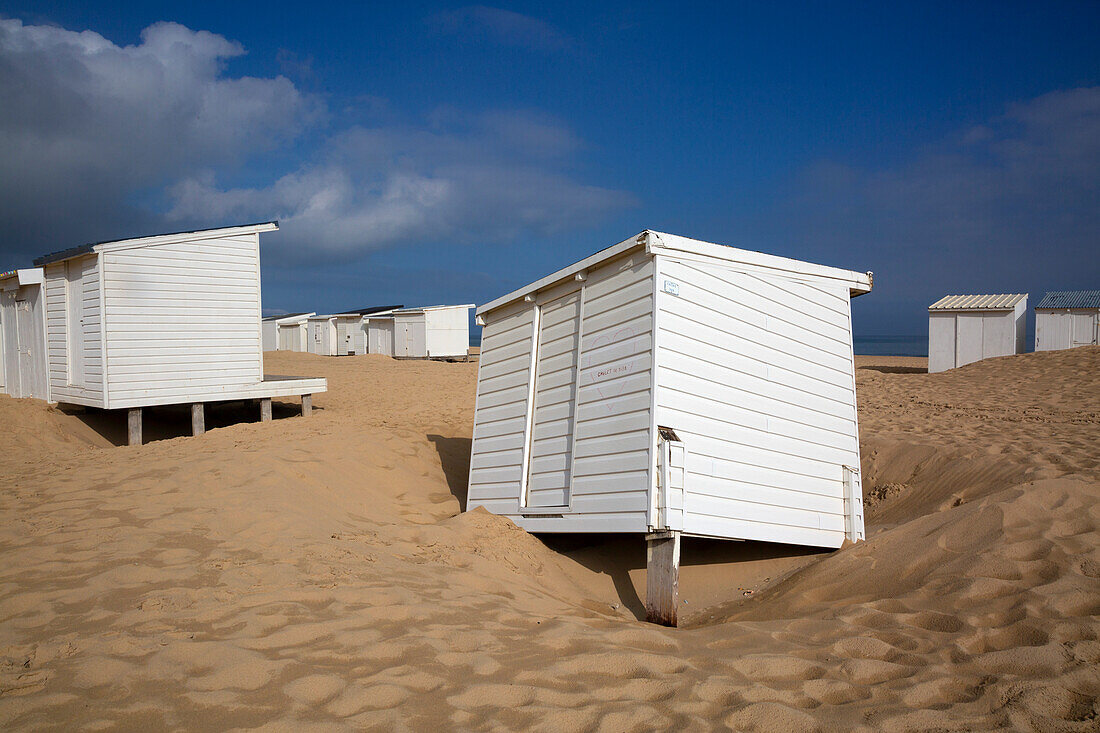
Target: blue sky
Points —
{"points": [[425, 153]]}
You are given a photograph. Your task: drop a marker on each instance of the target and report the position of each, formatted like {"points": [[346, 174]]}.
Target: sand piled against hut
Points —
{"points": [[318, 573]]}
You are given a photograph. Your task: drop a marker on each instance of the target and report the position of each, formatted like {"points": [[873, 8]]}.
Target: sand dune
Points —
{"points": [[318, 574]]}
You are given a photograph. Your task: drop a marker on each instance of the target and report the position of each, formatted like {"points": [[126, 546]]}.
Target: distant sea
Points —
{"points": [[865, 345], [891, 345]]}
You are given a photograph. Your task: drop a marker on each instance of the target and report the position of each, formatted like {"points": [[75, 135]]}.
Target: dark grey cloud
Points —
{"points": [[507, 27], [99, 140], [87, 127]]}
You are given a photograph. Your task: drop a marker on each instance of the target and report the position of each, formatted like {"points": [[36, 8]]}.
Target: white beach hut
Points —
{"points": [[286, 332], [322, 335], [352, 328], [671, 387], [1065, 319], [160, 320], [963, 329], [432, 332], [23, 370], [380, 334]]}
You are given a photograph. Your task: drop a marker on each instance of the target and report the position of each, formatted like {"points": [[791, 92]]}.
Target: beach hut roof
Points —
{"points": [[977, 302], [285, 315], [370, 310], [266, 226], [659, 243], [424, 308], [1070, 299]]}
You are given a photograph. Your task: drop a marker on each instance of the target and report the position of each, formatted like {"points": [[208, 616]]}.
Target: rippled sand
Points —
{"points": [[318, 574]]}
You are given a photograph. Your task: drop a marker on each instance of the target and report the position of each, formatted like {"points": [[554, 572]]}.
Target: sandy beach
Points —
{"points": [[318, 573]]}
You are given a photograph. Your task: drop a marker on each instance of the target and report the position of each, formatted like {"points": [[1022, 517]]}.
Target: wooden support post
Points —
{"points": [[198, 418], [307, 405], [265, 409], [133, 425], [662, 577]]}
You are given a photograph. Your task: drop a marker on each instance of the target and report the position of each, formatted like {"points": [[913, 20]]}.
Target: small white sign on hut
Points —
{"points": [[667, 386]]}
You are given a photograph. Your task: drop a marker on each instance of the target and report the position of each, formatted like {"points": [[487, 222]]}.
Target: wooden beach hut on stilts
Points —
{"points": [[133, 323], [670, 387]]}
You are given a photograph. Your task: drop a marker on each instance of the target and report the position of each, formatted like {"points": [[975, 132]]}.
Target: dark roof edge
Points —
{"points": [[368, 311]]}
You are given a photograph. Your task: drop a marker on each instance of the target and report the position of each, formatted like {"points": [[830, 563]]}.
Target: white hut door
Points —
{"points": [[74, 284], [968, 344], [551, 435], [402, 339], [343, 339], [1084, 329], [32, 369]]}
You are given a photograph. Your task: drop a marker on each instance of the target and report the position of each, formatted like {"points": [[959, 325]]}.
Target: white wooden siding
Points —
{"points": [[447, 331], [611, 458], [500, 415], [593, 430], [58, 337], [551, 438], [755, 375], [201, 296], [1065, 329], [957, 338]]}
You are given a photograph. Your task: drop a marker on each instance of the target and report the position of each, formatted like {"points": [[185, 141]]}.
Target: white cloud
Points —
{"points": [[459, 177], [87, 124], [97, 140]]}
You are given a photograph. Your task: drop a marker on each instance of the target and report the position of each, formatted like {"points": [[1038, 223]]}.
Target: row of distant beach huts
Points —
{"points": [[432, 332], [963, 329]]}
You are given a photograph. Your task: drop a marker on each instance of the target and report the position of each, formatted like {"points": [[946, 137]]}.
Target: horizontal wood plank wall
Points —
{"points": [[755, 376], [610, 463], [610, 482], [57, 324], [500, 419], [182, 320]]}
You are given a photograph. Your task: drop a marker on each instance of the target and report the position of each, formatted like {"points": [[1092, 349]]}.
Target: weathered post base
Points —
{"points": [[198, 418], [133, 426], [307, 405], [265, 409], [662, 577]]}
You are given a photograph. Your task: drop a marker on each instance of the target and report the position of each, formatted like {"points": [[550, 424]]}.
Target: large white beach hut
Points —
{"points": [[432, 332], [286, 332], [1065, 319], [963, 329], [671, 387], [23, 370], [159, 320]]}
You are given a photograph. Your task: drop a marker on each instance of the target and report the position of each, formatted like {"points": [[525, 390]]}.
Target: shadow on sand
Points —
{"points": [[895, 369], [454, 457], [710, 570], [174, 421]]}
